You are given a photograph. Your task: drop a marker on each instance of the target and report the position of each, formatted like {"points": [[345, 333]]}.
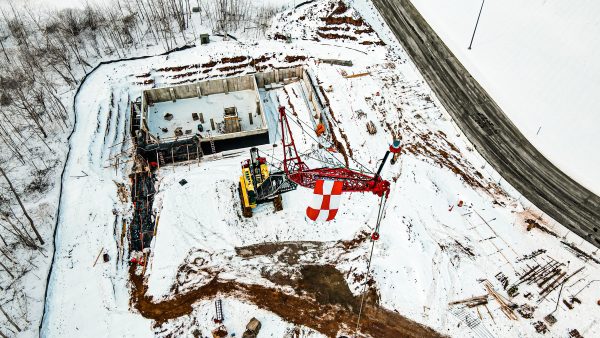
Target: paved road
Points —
{"points": [[488, 128]]}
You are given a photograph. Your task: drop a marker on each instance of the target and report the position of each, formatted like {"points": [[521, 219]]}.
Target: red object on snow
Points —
{"points": [[298, 172], [326, 200], [154, 164], [133, 260], [460, 204], [395, 147], [375, 236]]}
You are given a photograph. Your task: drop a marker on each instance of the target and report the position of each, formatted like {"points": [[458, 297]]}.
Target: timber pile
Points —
{"points": [[548, 277], [472, 302], [505, 305], [352, 76]]}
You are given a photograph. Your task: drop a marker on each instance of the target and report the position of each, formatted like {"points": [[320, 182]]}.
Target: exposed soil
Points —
{"points": [[333, 28], [294, 58], [323, 316], [236, 59], [364, 31], [235, 67], [287, 252], [531, 224], [333, 36], [209, 64], [340, 9], [379, 43]]}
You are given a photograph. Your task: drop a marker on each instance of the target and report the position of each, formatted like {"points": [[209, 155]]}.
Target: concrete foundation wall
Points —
{"points": [[175, 147], [278, 75], [197, 89]]}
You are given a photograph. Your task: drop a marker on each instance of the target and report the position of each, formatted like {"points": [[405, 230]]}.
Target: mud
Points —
{"points": [[343, 20], [333, 36], [325, 317]]}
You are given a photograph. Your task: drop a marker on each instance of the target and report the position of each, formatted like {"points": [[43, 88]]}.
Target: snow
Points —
{"points": [[78, 292], [421, 262], [211, 106], [237, 314], [539, 61]]}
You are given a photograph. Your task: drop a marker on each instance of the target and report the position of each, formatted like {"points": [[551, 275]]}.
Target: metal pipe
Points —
{"points": [[387, 153]]}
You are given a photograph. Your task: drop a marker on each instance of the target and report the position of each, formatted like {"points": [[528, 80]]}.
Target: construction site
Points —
{"points": [[296, 190]]}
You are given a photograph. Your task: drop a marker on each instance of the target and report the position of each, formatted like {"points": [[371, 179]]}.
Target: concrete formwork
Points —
{"points": [[176, 149]]}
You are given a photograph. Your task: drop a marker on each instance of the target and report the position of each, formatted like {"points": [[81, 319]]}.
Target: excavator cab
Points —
{"points": [[257, 185]]}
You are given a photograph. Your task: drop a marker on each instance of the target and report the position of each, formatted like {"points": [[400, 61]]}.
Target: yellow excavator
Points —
{"points": [[258, 186]]}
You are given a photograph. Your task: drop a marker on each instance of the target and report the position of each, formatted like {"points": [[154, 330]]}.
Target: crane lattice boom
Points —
{"points": [[298, 172]]}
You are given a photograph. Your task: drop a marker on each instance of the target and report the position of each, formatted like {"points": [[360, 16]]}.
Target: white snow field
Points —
{"points": [[539, 61], [431, 252]]}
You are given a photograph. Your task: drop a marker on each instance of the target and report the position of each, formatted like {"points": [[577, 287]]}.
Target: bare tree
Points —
{"points": [[12, 188]]}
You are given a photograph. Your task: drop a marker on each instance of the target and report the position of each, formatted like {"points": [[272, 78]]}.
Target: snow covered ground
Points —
{"points": [[432, 251], [539, 60]]}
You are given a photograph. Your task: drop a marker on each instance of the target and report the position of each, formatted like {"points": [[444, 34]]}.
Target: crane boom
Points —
{"points": [[298, 172]]}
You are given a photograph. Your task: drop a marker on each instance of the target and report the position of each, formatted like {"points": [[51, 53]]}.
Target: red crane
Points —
{"points": [[353, 181]]}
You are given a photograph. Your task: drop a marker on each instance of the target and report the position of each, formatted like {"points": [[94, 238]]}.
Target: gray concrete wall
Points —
{"points": [[216, 86], [207, 87], [278, 75]]}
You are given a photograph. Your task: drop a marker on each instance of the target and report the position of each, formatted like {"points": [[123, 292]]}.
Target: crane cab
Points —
{"points": [[257, 185]]}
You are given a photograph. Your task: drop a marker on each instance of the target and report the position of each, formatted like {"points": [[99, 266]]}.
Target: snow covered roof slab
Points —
{"points": [[219, 109]]}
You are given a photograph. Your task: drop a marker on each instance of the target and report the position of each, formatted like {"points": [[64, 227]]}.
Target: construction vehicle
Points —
{"points": [[352, 181], [257, 185], [252, 328]]}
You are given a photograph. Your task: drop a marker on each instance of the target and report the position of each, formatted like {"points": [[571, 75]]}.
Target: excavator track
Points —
{"points": [[246, 210], [278, 203]]}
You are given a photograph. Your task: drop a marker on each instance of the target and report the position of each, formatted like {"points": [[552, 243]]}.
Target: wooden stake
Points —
{"points": [[99, 253]]}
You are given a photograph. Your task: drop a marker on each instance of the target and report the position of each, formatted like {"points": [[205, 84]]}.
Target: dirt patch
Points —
{"points": [[234, 67], [327, 285], [334, 28], [184, 75], [343, 20], [286, 252], [259, 60], [333, 36], [301, 310], [209, 64], [294, 58], [362, 237], [236, 59], [428, 149], [367, 43], [364, 31], [531, 224], [345, 137], [341, 8]]}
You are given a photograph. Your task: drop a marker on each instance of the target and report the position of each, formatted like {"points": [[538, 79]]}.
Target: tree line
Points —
{"points": [[43, 56]]}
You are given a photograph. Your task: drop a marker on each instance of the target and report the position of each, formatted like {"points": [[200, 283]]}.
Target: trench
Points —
{"points": [[62, 175]]}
